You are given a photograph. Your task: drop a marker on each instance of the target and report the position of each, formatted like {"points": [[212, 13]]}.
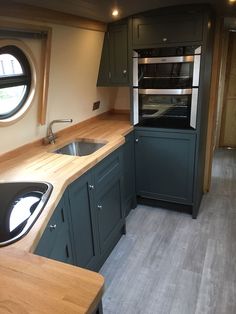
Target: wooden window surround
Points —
{"points": [[43, 80]]}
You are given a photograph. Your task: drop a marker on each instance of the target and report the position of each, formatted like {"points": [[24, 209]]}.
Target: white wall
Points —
{"points": [[75, 59], [122, 99]]}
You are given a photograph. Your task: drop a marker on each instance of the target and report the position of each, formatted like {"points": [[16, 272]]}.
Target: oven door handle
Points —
{"points": [[180, 59], [135, 106], [178, 91]]}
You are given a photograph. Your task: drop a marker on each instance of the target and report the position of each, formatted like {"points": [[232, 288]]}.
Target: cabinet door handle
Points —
{"points": [[52, 227], [100, 207], [91, 186], [124, 72], [164, 39], [67, 252], [136, 140]]}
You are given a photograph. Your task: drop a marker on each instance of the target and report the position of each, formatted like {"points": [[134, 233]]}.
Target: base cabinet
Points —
{"points": [[55, 242], [83, 222], [108, 200], [129, 173], [90, 218], [165, 165]]}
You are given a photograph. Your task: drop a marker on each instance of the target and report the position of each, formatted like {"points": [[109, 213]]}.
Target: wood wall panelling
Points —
{"points": [[45, 66], [213, 103], [29, 12], [228, 126]]}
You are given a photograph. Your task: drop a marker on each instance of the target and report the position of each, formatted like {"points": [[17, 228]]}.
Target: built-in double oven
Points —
{"points": [[165, 86]]}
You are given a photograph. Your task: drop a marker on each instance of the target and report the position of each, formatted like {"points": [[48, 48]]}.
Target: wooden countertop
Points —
{"points": [[37, 163], [34, 284]]}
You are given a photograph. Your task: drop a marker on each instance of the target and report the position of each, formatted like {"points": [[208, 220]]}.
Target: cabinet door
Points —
{"points": [[62, 250], [118, 46], [129, 173], [167, 29], [165, 165], [83, 221], [55, 242], [104, 74], [109, 202], [113, 70]]}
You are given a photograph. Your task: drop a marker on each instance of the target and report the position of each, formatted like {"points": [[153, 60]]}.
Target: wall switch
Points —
{"points": [[96, 105]]}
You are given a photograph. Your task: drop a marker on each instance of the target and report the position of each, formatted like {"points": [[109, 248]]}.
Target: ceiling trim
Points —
{"points": [[33, 13]]}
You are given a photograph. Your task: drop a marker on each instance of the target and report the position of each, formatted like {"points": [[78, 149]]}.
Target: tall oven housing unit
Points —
{"points": [[170, 96]]}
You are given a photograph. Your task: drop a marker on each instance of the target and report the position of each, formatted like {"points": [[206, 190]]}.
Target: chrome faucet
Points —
{"points": [[51, 137]]}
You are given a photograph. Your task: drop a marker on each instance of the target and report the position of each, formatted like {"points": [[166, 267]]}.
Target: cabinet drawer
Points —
{"points": [[108, 169]]}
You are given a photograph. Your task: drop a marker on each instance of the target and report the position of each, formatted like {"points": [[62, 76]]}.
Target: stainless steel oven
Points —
{"points": [[165, 86]]}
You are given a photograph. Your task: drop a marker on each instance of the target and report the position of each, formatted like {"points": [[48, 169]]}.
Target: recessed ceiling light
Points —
{"points": [[115, 12], [232, 1]]}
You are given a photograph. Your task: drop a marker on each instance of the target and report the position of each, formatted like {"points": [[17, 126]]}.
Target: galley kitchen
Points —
{"points": [[117, 157]]}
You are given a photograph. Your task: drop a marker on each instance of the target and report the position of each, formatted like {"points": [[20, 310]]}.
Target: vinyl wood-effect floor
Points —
{"points": [[169, 263]]}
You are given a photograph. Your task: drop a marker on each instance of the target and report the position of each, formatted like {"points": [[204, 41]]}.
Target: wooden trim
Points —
{"points": [[45, 66], [215, 75], [226, 89], [22, 149], [34, 13]]}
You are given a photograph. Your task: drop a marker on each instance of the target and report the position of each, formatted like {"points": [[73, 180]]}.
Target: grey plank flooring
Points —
{"points": [[168, 263]]}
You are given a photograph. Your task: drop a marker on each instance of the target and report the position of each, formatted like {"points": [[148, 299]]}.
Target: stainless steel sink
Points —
{"points": [[20, 205], [79, 148]]}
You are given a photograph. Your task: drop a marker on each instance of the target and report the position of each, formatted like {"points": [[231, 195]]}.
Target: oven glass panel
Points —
{"points": [[167, 111], [165, 75]]}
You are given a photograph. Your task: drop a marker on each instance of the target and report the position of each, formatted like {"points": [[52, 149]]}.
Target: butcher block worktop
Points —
{"points": [[38, 163], [33, 283]]}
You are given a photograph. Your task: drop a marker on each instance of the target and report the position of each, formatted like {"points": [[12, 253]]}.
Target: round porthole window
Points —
{"points": [[16, 82]]}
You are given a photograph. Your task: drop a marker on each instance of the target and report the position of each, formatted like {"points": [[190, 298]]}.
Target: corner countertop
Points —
{"points": [[34, 284]]}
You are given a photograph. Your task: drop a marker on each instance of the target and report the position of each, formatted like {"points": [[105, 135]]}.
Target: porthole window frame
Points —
{"points": [[26, 102]]}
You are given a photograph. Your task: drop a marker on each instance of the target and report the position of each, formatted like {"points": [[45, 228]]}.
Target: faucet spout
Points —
{"points": [[51, 137]]}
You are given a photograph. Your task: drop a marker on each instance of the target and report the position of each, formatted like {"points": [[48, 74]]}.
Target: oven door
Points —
{"points": [[167, 108], [170, 72]]}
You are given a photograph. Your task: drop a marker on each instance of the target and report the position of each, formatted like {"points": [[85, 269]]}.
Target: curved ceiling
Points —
{"points": [[101, 9]]}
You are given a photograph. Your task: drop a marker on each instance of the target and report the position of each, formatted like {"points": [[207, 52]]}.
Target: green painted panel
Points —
{"points": [[83, 222], [165, 165]]}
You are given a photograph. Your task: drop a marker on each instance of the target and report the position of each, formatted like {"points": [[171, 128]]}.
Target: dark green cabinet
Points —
{"points": [[129, 173], [83, 223], [96, 207], [89, 220], [55, 242], [151, 31], [114, 60], [109, 202], [165, 165]]}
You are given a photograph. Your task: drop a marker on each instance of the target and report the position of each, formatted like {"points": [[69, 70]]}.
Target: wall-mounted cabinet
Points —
{"points": [[168, 29], [113, 69]]}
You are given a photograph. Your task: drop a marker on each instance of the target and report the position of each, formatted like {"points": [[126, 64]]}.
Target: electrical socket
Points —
{"points": [[96, 105]]}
